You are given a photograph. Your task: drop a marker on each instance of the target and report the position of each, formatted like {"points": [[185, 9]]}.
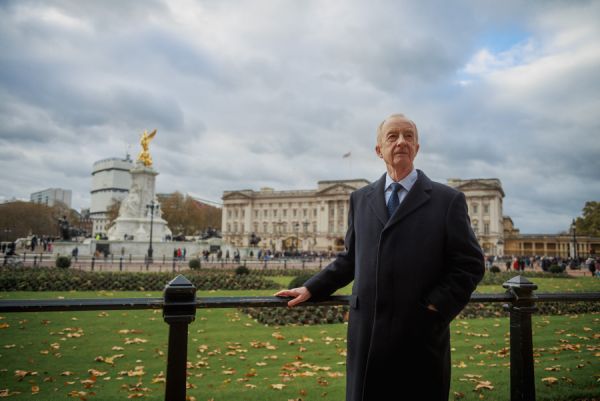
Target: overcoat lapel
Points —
{"points": [[416, 197], [377, 200]]}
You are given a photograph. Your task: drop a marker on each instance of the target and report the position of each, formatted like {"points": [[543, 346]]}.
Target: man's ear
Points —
{"points": [[378, 150]]}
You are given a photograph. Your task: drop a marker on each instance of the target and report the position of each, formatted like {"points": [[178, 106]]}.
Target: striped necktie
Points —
{"points": [[394, 202]]}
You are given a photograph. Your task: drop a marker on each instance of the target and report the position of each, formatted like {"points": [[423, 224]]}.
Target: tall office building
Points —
{"points": [[50, 196], [110, 182]]}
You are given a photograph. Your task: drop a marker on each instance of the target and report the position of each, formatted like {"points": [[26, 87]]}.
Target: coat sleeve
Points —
{"points": [[340, 272], [463, 262]]}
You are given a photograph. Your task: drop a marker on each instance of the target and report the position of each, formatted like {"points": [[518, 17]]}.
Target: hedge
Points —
{"points": [[53, 279]]}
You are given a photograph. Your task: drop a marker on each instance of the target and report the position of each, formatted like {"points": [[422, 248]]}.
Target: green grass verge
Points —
{"points": [[234, 358]]}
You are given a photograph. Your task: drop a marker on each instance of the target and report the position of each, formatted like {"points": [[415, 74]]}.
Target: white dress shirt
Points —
{"points": [[407, 183]]}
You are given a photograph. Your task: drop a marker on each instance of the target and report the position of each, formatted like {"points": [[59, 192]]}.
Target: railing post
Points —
{"points": [[522, 377], [121, 264], [179, 311], [93, 262]]}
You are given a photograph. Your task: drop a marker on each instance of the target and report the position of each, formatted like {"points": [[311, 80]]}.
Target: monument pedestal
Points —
{"points": [[135, 215]]}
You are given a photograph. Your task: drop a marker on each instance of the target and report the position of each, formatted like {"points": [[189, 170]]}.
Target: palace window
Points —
{"points": [[486, 209], [474, 207], [486, 228]]}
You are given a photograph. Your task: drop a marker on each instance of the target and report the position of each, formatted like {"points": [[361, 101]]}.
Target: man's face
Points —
{"points": [[397, 144]]}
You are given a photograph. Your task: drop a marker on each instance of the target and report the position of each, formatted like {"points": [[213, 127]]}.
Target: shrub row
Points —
{"points": [[338, 314], [49, 279], [481, 310], [298, 316]]}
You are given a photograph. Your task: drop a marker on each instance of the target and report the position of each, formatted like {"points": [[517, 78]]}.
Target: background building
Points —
{"points": [[50, 196], [301, 220], [564, 245], [316, 220], [484, 200], [110, 182]]}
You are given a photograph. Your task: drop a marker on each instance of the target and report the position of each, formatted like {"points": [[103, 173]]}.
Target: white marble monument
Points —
{"points": [[140, 212]]}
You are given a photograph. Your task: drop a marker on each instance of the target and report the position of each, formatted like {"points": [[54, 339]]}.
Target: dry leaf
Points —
{"points": [[549, 380], [278, 386]]}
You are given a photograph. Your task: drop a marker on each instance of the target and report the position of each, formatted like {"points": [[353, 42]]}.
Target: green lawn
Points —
{"points": [[114, 355]]}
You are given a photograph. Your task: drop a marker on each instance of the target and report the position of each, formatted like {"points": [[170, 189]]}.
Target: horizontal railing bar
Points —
{"points": [[567, 297], [258, 302], [57, 305]]}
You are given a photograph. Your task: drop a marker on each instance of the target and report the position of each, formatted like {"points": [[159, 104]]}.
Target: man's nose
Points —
{"points": [[400, 140]]}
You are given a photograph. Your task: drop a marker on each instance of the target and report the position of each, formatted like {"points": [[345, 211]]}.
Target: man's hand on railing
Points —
{"points": [[299, 294]]}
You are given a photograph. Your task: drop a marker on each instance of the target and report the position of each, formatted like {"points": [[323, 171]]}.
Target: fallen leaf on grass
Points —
{"points": [[110, 360], [549, 380], [130, 331], [20, 374], [159, 378], [135, 340], [95, 372], [7, 393], [484, 385], [278, 386]]}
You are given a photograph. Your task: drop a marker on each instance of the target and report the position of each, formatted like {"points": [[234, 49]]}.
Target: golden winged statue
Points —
{"points": [[144, 155]]}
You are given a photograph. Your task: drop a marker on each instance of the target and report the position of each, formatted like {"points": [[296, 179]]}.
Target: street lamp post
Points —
{"points": [[153, 205], [573, 227]]}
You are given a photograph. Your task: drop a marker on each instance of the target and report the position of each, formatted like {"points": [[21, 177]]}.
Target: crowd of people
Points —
{"points": [[520, 263]]}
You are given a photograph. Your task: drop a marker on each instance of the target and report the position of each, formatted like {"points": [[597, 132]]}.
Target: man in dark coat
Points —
{"points": [[414, 267]]}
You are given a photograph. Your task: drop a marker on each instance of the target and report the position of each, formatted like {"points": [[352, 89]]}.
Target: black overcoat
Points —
{"points": [[426, 253]]}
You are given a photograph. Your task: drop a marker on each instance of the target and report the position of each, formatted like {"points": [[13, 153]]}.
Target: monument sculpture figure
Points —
{"points": [[144, 156], [65, 232], [135, 218]]}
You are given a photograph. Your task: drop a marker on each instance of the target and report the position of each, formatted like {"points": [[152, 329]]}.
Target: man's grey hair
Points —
{"points": [[399, 116]]}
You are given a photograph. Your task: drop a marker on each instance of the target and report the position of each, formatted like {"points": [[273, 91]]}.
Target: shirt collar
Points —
{"points": [[407, 182]]}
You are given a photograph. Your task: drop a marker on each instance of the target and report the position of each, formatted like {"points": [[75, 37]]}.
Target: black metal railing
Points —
{"points": [[159, 263], [179, 304]]}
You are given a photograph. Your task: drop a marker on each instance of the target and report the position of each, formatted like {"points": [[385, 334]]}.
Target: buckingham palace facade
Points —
{"points": [[317, 219], [299, 220]]}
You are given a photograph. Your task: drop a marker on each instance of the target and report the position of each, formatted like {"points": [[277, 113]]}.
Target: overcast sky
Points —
{"points": [[247, 94]]}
